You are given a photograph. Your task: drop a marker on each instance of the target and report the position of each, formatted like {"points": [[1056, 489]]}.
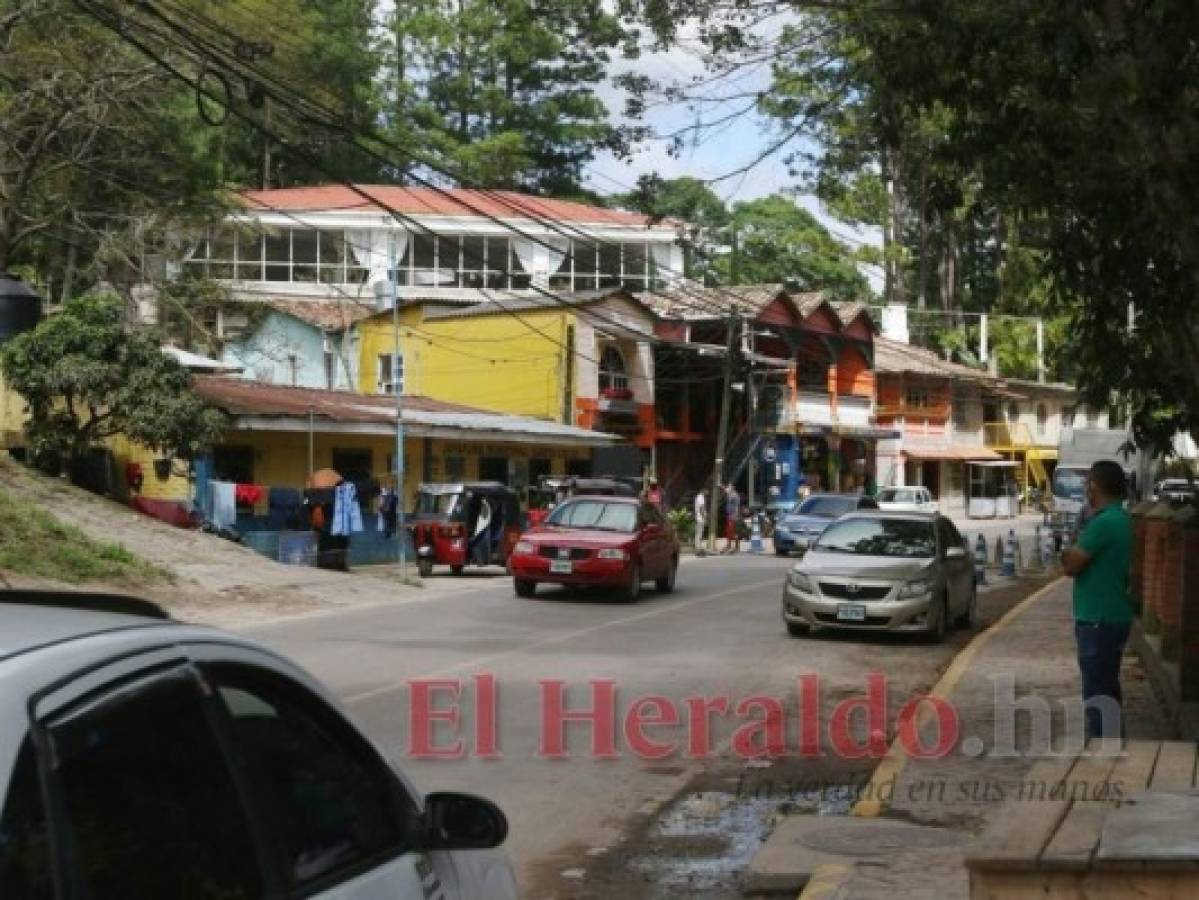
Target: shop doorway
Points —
{"points": [[493, 468]]}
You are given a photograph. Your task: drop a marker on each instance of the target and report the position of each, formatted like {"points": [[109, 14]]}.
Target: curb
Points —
{"points": [[892, 764]]}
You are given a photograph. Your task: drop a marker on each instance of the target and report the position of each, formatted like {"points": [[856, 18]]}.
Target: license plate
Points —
{"points": [[848, 612], [560, 567]]}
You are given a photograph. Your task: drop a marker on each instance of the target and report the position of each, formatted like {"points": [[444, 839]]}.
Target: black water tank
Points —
{"points": [[20, 307]]}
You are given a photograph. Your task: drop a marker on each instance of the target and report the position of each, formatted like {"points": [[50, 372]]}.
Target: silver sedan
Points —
{"points": [[884, 571]]}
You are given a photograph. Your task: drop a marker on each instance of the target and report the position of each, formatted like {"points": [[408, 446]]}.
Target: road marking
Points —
{"points": [[826, 882], [563, 638], [896, 758]]}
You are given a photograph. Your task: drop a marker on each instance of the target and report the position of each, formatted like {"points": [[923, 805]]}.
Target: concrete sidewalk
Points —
{"points": [[956, 795]]}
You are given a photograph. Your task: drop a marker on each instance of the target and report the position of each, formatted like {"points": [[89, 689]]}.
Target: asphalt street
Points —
{"points": [[718, 636]]}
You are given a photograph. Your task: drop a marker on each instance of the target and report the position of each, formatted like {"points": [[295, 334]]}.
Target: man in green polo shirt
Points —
{"points": [[1103, 611]]}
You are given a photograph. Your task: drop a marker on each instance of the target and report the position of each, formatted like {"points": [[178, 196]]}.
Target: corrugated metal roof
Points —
{"points": [[893, 357], [420, 201], [245, 398], [692, 301], [198, 363], [502, 302], [328, 315]]}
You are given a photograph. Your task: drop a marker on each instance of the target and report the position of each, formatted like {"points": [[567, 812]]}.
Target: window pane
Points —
{"points": [[221, 245], [609, 265], [303, 246], [24, 844], [151, 807], [473, 254], [277, 245], [340, 804]]}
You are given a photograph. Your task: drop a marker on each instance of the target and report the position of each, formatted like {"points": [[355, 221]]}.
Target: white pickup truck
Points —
{"points": [[907, 499]]}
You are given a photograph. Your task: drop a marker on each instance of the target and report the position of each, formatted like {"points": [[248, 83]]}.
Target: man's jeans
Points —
{"points": [[1100, 650]]}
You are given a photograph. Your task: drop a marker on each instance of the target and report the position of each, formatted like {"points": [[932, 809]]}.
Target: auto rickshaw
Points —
{"points": [[467, 524], [550, 490]]}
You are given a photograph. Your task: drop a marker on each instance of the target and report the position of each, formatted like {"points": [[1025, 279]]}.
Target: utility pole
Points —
{"points": [[1040, 350], [401, 526], [722, 435]]}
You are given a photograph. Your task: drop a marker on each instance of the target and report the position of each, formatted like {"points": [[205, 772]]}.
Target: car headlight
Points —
{"points": [[800, 581], [524, 547], [612, 553], [915, 589]]}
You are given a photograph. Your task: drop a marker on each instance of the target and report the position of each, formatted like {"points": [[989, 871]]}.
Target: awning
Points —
{"points": [[847, 431], [994, 464], [954, 452]]}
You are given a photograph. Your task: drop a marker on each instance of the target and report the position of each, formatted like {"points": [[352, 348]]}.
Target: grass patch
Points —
{"points": [[33, 542]]}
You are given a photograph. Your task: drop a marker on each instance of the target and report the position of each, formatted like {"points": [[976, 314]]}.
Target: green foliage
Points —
{"points": [[506, 91], [87, 378], [33, 542], [777, 240], [683, 522]]}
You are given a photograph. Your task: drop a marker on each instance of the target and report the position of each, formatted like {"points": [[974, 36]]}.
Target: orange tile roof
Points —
{"points": [[420, 201]]}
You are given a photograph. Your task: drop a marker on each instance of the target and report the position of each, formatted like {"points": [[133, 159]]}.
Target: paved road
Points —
{"points": [[719, 635]]}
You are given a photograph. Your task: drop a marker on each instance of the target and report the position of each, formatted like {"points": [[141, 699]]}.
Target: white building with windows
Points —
{"points": [[334, 242]]}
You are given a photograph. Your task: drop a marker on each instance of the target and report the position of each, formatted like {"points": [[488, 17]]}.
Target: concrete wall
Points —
{"points": [[284, 350]]}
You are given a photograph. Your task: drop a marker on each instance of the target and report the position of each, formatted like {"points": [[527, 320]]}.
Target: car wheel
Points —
{"points": [[969, 618], [940, 625], [424, 566], [665, 584], [797, 629], [632, 593], [781, 551], [457, 570], [524, 587]]}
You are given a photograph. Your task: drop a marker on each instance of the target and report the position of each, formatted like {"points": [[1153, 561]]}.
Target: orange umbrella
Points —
{"points": [[324, 478]]}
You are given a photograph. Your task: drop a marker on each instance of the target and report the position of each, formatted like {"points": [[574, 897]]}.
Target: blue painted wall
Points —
{"points": [[267, 353]]}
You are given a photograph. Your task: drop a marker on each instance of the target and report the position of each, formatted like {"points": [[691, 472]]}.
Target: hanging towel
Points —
{"points": [[347, 514], [222, 503]]}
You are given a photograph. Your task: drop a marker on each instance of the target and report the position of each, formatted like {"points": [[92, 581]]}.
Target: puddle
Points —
{"points": [[702, 842]]}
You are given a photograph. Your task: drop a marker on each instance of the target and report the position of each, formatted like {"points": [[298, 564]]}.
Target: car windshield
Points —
{"points": [[1069, 484], [893, 495], [595, 514], [880, 537], [438, 504], [824, 507]]}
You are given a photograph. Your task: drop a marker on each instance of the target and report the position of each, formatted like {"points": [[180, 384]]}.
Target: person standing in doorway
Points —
{"points": [[1103, 612], [732, 520], [701, 519]]}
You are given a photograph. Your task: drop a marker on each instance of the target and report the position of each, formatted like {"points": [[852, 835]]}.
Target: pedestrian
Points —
{"points": [[1103, 612], [732, 520], [701, 518], [654, 493]]}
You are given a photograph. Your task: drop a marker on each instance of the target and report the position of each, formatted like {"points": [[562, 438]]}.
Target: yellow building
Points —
{"points": [[278, 435], [582, 359]]}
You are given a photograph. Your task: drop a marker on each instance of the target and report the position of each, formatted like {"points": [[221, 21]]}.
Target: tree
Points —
{"points": [[506, 91], [1080, 116], [701, 214], [87, 378], [85, 125], [774, 239]]}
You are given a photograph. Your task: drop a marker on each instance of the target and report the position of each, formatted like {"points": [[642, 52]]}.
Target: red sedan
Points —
{"points": [[616, 542]]}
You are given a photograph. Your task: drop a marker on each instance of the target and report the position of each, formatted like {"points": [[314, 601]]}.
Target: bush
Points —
{"points": [[684, 524]]}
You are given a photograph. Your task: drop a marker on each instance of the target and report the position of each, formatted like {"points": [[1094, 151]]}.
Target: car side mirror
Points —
{"points": [[462, 822], [955, 553]]}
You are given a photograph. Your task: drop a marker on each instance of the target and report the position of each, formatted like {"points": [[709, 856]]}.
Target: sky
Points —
{"points": [[717, 152]]}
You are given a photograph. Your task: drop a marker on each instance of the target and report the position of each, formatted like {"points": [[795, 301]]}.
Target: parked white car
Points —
{"points": [[140, 757], [907, 499]]}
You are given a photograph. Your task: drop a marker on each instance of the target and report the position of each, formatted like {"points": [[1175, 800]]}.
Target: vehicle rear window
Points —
{"points": [[824, 507], [441, 505], [595, 514], [901, 538]]}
